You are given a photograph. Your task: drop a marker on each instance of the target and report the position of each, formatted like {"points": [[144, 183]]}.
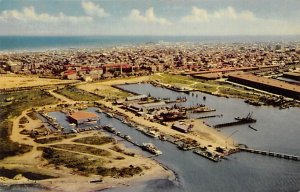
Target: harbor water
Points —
{"points": [[278, 130]]}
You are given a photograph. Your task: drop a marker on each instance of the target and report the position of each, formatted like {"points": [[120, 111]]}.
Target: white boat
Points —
{"points": [[110, 115], [151, 148], [151, 133], [127, 137]]}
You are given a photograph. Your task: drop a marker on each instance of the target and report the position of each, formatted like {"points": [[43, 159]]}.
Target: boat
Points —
{"points": [[151, 148], [251, 127], [239, 121], [127, 137], [151, 133], [109, 128], [110, 115], [130, 124], [183, 147], [90, 121], [208, 155], [74, 131], [248, 118], [162, 137]]}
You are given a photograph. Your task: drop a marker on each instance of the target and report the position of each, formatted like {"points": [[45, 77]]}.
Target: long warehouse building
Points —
{"points": [[266, 84]]}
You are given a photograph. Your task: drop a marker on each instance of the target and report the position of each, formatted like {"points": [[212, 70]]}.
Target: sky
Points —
{"points": [[150, 17]]}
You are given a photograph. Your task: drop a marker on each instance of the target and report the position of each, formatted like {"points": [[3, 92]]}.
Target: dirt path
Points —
{"points": [[61, 97]]}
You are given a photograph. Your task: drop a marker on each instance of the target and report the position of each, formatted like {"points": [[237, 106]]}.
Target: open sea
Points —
{"points": [[41, 43]]}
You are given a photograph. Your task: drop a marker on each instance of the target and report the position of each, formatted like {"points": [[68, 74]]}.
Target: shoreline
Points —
{"points": [[68, 178]]}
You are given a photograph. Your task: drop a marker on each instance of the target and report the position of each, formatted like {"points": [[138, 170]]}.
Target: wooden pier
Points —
{"points": [[272, 154]]}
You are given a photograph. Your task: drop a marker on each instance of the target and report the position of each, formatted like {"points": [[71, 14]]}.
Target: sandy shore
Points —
{"points": [[15, 81], [68, 179]]}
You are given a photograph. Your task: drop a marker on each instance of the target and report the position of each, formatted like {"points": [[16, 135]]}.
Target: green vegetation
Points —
{"points": [[119, 150], [77, 94], [116, 172], [23, 120], [11, 173], [53, 139], [32, 115], [201, 85], [237, 92], [95, 140], [112, 93], [173, 79], [72, 160], [207, 86], [86, 164], [22, 101], [83, 149], [204, 87]]}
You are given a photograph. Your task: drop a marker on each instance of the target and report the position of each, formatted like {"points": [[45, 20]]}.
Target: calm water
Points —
{"points": [[38, 43], [279, 130]]}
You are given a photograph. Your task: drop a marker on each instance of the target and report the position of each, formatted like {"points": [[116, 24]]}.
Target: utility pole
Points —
{"points": [[230, 136]]}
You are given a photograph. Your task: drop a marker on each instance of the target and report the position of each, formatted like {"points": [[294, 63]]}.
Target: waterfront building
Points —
{"points": [[81, 117], [266, 84]]}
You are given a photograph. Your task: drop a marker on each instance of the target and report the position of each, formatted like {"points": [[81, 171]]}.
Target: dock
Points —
{"points": [[209, 116], [270, 153], [208, 155], [239, 121]]}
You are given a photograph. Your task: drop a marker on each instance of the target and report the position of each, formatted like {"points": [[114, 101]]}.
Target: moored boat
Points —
{"points": [[151, 148]]}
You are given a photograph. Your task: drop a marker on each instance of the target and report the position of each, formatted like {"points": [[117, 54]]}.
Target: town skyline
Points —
{"points": [[169, 18]]}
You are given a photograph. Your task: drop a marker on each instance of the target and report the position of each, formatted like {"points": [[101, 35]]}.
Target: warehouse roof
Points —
{"points": [[267, 81], [83, 115]]}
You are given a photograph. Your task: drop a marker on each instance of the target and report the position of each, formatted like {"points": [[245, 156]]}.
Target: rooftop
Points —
{"points": [[267, 81], [83, 115]]}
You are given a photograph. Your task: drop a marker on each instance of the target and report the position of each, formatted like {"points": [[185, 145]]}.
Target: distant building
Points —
{"points": [[292, 75], [14, 66], [266, 84], [182, 127], [70, 74], [136, 97], [117, 67], [209, 76], [81, 117]]}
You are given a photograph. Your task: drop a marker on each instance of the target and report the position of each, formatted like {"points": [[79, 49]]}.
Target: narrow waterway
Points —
{"points": [[278, 130]]}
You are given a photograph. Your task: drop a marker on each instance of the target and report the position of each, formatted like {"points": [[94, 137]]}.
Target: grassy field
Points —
{"points": [[53, 139], [111, 93], [20, 102], [15, 81], [208, 86], [83, 149], [95, 140], [186, 81], [77, 94], [86, 165], [237, 92]]}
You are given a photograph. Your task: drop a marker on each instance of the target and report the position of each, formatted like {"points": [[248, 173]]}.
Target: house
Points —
{"points": [[70, 74], [81, 117]]}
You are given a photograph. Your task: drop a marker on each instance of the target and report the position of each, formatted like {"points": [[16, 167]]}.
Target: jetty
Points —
{"points": [[208, 155], [239, 121], [270, 153], [209, 116]]}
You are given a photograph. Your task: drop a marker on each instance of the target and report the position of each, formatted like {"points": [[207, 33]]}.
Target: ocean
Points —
{"points": [[41, 43]]}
